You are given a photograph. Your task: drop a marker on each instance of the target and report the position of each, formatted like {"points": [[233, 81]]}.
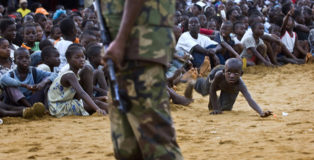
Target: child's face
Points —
{"points": [[56, 33], [22, 59], [24, 5], [78, 20], [88, 39], [203, 20], [48, 26], [30, 35], [232, 74], [240, 29], [39, 32], [290, 24], [225, 30], [54, 59], [245, 21], [211, 25], [43, 22], [10, 32], [77, 60], [92, 17], [4, 49], [96, 59], [194, 25], [259, 30]]}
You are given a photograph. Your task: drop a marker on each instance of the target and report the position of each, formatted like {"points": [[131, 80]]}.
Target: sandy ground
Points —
{"points": [[239, 134]]}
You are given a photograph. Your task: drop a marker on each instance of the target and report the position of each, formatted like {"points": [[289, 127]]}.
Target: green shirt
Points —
{"points": [[151, 37]]}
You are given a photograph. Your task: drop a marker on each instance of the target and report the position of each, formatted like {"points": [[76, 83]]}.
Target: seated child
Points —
{"points": [[50, 59], [25, 85], [36, 56], [254, 49], [30, 37], [289, 37], [224, 39], [93, 54], [227, 79], [238, 30], [55, 34], [8, 31], [6, 63], [65, 94]]}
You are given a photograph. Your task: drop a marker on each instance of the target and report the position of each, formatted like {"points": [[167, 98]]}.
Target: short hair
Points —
{"points": [[254, 25], [73, 47], [93, 50], [2, 39], [54, 27], [87, 33], [38, 17], [198, 7], [67, 26], [46, 52], [4, 23], [227, 23], [44, 43], [28, 24], [235, 61], [21, 49], [237, 23]]}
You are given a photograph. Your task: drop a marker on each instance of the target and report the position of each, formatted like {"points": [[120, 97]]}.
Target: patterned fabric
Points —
{"points": [[146, 131], [61, 100], [151, 38], [4, 70]]}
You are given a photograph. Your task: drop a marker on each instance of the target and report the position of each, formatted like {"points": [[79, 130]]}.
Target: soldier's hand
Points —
{"points": [[115, 51]]}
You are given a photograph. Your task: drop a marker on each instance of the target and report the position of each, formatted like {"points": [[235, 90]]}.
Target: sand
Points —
{"points": [[239, 134]]}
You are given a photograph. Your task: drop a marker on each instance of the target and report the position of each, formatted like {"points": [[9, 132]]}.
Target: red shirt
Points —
{"points": [[205, 31]]}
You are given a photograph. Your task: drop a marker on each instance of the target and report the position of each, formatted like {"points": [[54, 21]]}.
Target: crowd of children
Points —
{"points": [[52, 60]]}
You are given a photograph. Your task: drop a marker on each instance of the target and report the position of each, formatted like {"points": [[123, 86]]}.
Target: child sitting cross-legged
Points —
{"points": [[66, 93], [25, 85]]}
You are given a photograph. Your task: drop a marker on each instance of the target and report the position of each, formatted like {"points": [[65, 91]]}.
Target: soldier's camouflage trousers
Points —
{"points": [[146, 131]]}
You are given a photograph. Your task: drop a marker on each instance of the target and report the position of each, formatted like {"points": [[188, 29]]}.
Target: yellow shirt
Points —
{"points": [[24, 12]]}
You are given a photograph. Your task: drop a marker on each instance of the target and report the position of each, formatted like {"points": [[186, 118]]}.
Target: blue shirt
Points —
{"points": [[8, 81]]}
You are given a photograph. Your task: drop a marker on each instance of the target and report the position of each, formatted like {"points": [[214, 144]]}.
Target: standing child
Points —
{"points": [[228, 80], [50, 59], [65, 93]]}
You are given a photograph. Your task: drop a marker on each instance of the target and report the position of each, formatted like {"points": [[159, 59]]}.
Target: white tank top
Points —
{"points": [[289, 40]]}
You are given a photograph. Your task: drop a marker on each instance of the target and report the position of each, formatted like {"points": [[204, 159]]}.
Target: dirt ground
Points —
{"points": [[239, 134]]}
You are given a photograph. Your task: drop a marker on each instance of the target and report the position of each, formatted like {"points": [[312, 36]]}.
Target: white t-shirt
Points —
{"points": [[62, 47], [186, 42], [289, 40], [249, 33]]}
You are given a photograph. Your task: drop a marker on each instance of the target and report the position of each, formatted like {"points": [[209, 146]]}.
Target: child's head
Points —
{"points": [[239, 28], [307, 13], [75, 56], [194, 25], [28, 18], [50, 56], [78, 20], [48, 27], [203, 20], [226, 29], [211, 24], [210, 11], [22, 58], [29, 33], [91, 16], [23, 4], [290, 24], [8, 29], [233, 70], [275, 29], [4, 48], [55, 32], [87, 37], [196, 9], [44, 43], [93, 54], [41, 19], [39, 32], [68, 27], [244, 20], [232, 14], [258, 29]]}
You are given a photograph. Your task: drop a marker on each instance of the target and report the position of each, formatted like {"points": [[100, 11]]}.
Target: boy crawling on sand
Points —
{"points": [[227, 79]]}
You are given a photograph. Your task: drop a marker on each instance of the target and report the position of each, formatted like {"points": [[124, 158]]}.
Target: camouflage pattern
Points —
{"points": [[146, 131], [151, 38]]}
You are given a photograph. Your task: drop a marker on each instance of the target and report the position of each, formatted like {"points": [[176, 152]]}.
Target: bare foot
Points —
{"points": [[181, 100], [189, 90], [190, 75], [38, 109], [205, 67]]}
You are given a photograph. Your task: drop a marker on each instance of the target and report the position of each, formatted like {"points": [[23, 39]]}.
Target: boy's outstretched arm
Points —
{"points": [[230, 49], [285, 21], [251, 101], [213, 95], [259, 56]]}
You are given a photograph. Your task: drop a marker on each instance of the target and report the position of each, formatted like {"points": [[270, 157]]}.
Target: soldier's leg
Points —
{"points": [[227, 100], [149, 115]]}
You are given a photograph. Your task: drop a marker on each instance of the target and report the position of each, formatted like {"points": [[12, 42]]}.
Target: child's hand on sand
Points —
{"points": [[216, 112], [101, 112], [266, 114]]}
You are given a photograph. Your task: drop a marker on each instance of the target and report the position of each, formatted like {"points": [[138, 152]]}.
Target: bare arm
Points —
{"points": [[70, 79], [213, 99], [259, 56], [298, 46], [230, 49], [251, 101], [285, 21]]}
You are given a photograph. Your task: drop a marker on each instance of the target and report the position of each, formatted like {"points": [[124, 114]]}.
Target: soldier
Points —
{"points": [[143, 43]]}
